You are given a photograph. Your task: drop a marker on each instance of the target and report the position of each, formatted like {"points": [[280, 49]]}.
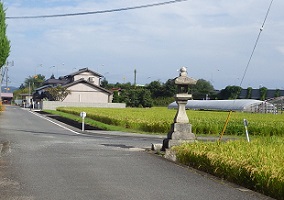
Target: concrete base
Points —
{"points": [[179, 133], [168, 143]]}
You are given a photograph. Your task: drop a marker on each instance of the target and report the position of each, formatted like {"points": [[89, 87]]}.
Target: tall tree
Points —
{"points": [[203, 90], [4, 42], [34, 82], [230, 92]]}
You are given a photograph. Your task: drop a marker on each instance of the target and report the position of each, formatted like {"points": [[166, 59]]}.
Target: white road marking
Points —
{"points": [[38, 115]]}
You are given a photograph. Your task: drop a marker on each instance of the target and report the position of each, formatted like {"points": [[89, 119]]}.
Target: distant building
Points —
{"points": [[6, 98], [84, 86]]}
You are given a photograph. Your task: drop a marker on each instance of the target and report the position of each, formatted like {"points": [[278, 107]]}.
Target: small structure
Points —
{"points": [[181, 128]]}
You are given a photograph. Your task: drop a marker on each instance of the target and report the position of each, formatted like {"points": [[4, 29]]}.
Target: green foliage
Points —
{"points": [[162, 90], [57, 93], [136, 97], [117, 85], [263, 92], [34, 82], [163, 101], [169, 88], [115, 97], [155, 88], [104, 83], [230, 92], [4, 42], [203, 89], [277, 93], [17, 93], [257, 165], [249, 91]]}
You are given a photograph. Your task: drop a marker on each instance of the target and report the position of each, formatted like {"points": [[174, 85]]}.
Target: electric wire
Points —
{"points": [[256, 42], [98, 12], [247, 66]]}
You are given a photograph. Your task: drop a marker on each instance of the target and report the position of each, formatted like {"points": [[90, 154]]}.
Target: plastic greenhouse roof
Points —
{"points": [[236, 105]]}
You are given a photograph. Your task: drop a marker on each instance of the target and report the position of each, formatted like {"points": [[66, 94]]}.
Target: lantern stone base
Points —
{"points": [[179, 133]]}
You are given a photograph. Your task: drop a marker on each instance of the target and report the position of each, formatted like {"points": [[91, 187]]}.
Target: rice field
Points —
{"points": [[257, 165], [158, 120]]}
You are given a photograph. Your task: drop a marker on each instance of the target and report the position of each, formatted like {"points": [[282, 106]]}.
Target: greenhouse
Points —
{"points": [[243, 105]]}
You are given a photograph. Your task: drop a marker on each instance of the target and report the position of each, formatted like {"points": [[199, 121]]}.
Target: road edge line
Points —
{"points": [[68, 129]]}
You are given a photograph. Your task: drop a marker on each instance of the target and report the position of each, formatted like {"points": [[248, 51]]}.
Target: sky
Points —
{"points": [[213, 39]]}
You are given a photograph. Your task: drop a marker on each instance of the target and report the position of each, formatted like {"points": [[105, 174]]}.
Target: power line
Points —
{"points": [[256, 42], [98, 12]]}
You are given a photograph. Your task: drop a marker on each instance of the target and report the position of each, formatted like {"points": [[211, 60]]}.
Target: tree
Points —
{"points": [[203, 89], [230, 92], [57, 93], [136, 97], [115, 97], [277, 93], [155, 88], [34, 82], [263, 93], [169, 88], [249, 92], [4, 42], [104, 83], [145, 98]]}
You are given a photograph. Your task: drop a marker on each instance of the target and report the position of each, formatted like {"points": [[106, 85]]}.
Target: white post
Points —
{"points": [[83, 115], [246, 127]]}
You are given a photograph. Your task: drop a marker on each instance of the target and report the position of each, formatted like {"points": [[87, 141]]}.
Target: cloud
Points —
{"points": [[213, 39]]}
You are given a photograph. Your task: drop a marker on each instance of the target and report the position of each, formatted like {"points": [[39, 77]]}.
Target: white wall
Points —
{"points": [[86, 76], [84, 93]]}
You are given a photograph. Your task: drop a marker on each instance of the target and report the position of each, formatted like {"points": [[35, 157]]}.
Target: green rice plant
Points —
{"points": [[159, 120], [257, 165]]}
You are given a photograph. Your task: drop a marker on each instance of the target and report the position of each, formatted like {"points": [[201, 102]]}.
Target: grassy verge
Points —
{"points": [[92, 122], [257, 165]]}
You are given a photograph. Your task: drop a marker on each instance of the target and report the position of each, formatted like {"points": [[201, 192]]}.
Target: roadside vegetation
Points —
{"points": [[257, 165], [1, 106]]}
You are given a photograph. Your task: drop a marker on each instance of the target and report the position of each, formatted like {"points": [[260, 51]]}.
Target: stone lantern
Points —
{"points": [[181, 128]]}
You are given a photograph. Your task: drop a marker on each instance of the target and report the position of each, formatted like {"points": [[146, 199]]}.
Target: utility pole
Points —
{"points": [[135, 74], [4, 73], [7, 79]]}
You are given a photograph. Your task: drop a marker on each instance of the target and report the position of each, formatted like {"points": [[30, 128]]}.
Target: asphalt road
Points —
{"points": [[44, 160]]}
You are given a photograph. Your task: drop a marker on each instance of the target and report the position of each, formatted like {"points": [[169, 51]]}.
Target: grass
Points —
{"points": [[92, 122]]}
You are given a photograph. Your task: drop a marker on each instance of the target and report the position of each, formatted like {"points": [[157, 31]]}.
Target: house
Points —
{"points": [[6, 98], [84, 86]]}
